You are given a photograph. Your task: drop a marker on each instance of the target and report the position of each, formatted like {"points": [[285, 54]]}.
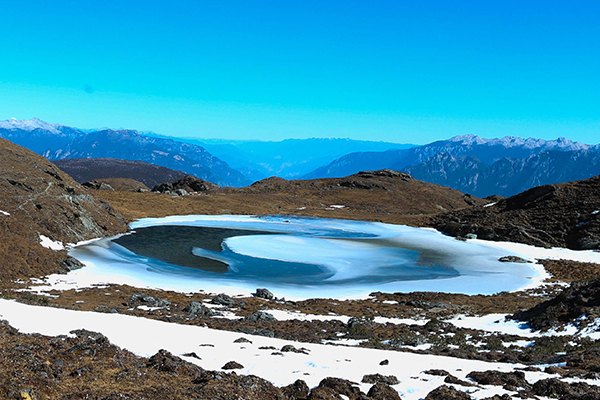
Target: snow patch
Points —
{"points": [[4, 213], [48, 243]]}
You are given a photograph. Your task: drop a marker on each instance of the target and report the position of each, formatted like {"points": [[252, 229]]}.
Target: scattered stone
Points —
{"points": [[360, 321], [192, 354], [382, 391], [264, 294], [437, 372], [508, 380], [242, 340], [331, 388], [223, 300], [513, 259], [435, 325], [267, 348], [259, 332], [232, 365], [296, 391], [147, 300], [164, 361], [288, 348], [385, 362], [106, 309], [71, 264], [447, 393], [260, 316], [454, 380], [375, 378], [197, 309]]}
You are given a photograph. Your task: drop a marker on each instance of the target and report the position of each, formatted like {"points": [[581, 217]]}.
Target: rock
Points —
{"points": [[106, 309], [455, 381], [259, 332], [260, 316], [447, 393], [242, 340], [508, 380], [192, 354], [164, 361], [513, 259], [223, 300], [435, 325], [296, 391], [437, 372], [71, 264], [471, 236], [382, 391], [498, 397], [288, 348], [375, 378], [232, 365], [360, 321], [331, 388], [264, 294], [197, 309], [97, 185], [147, 300], [384, 362], [187, 184], [180, 192], [553, 387]]}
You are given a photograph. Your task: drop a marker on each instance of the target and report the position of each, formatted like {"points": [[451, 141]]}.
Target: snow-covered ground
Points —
{"points": [[352, 263], [145, 337]]}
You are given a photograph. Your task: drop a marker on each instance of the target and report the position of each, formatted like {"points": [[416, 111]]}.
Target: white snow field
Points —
{"points": [[357, 257]]}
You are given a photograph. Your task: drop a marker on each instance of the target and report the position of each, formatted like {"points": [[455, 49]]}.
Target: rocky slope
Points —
{"points": [[87, 169], [561, 215], [39, 199]]}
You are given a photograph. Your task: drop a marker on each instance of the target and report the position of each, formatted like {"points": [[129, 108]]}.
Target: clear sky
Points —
{"points": [[401, 71]]}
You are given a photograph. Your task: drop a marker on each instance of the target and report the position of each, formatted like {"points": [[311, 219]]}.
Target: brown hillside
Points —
{"points": [[119, 184], [563, 215], [386, 195], [42, 200]]}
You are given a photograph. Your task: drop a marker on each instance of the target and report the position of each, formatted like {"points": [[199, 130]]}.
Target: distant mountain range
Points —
{"points": [[468, 163], [289, 158], [482, 167], [56, 142]]}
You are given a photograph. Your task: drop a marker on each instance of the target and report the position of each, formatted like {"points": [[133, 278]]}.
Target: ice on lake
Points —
{"points": [[299, 257]]}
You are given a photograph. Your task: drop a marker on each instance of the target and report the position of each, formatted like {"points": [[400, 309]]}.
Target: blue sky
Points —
{"points": [[401, 71]]}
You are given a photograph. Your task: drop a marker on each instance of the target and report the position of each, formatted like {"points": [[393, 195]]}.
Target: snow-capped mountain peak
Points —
{"points": [[28, 125]]}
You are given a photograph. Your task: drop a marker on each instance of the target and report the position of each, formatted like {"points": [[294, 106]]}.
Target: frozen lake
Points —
{"points": [[299, 257]]}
